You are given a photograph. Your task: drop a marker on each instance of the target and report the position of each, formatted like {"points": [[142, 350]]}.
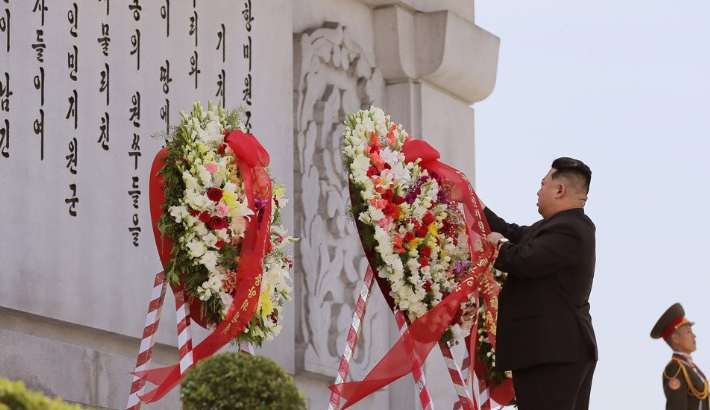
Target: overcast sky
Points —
{"points": [[623, 85]]}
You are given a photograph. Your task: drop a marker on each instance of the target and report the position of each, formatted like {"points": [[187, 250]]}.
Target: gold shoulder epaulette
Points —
{"points": [[680, 366], [700, 395]]}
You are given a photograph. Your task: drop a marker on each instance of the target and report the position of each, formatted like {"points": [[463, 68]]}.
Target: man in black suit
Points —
{"points": [[545, 333]]}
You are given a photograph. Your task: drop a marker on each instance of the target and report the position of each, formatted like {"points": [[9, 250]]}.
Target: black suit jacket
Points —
{"points": [[543, 314]]}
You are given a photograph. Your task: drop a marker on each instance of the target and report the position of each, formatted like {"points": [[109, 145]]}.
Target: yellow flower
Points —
{"points": [[229, 198], [433, 230], [278, 191], [266, 306], [414, 244]]}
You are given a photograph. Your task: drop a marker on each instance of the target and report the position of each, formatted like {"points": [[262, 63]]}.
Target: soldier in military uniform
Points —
{"points": [[684, 384]]}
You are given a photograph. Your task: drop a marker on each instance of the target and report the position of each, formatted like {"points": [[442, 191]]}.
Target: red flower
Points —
{"points": [[372, 171], [421, 231], [217, 222], [398, 244], [399, 200], [221, 149], [219, 244], [214, 194], [427, 286], [205, 217], [391, 210], [409, 237], [194, 213], [428, 218], [388, 195], [423, 261], [425, 251]]}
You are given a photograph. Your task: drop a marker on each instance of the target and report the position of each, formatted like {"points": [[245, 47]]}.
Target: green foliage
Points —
{"points": [[14, 396], [235, 381]]}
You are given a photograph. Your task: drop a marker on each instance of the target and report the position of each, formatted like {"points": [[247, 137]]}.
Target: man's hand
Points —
{"points": [[453, 193], [493, 238]]}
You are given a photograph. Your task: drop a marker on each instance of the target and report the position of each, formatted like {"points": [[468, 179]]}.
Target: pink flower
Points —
{"points": [[379, 203], [384, 223], [222, 210], [211, 167]]}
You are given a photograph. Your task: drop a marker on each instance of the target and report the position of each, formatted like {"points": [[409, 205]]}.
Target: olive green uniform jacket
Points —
{"points": [[676, 385]]}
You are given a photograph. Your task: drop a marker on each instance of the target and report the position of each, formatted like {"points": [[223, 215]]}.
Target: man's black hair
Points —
{"points": [[575, 171]]}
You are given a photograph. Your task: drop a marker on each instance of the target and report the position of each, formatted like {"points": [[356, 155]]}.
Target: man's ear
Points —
{"points": [[560, 190]]}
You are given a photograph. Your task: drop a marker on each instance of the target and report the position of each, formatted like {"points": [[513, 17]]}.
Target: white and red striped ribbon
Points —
{"points": [[417, 371], [145, 352], [465, 402], [184, 329], [351, 341], [483, 398]]}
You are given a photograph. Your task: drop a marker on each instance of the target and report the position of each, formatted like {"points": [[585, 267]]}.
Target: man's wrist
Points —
{"points": [[501, 241]]}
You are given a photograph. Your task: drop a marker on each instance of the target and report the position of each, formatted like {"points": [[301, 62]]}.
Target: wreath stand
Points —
{"points": [[465, 401], [152, 320]]}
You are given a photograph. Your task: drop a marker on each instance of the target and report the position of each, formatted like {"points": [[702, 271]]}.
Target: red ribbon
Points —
{"points": [[501, 393], [425, 332], [251, 159]]}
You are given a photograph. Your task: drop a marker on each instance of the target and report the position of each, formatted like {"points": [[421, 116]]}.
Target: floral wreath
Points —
{"points": [[417, 234], [205, 216], [414, 235]]}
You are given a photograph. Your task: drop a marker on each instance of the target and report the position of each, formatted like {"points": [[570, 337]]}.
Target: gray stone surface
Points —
{"points": [[79, 364]]}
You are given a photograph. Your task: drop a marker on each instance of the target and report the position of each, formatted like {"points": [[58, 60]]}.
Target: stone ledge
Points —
{"points": [[440, 47], [464, 8], [77, 374]]}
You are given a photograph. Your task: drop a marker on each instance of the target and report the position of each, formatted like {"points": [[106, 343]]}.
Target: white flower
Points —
{"points": [[400, 172], [201, 229], [196, 249], [178, 212], [229, 187], [238, 225], [191, 182], [240, 210], [205, 176], [227, 300], [209, 260], [389, 156], [360, 166], [195, 200], [210, 239]]}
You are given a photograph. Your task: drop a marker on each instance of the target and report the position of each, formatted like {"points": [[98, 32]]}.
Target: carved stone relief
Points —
{"points": [[331, 78]]}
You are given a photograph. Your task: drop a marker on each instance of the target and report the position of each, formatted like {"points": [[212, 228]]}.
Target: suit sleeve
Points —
{"points": [[511, 231], [675, 388], [555, 247]]}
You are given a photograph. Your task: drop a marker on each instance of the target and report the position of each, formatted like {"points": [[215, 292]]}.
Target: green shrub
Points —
{"points": [[235, 381], [14, 396]]}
